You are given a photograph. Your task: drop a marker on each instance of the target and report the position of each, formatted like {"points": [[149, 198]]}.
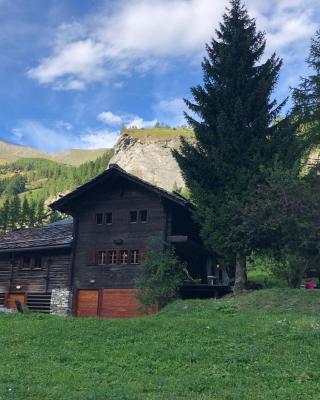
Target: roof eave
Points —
{"points": [[35, 248], [61, 204]]}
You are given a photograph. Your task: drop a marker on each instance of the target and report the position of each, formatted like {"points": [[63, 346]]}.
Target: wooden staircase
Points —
{"points": [[39, 302]]}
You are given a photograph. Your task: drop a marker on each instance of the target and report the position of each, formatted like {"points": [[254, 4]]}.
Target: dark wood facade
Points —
{"points": [[118, 198], [54, 271], [114, 217]]}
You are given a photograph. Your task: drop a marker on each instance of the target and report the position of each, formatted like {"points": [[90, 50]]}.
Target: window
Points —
{"points": [[27, 262], [99, 219], [108, 218], [143, 216], [30, 262], [124, 256], [133, 217], [112, 257], [101, 257], [37, 262], [134, 257]]}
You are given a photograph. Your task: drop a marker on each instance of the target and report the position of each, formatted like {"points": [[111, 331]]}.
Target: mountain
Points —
{"points": [[147, 154], [10, 152], [30, 179], [77, 156]]}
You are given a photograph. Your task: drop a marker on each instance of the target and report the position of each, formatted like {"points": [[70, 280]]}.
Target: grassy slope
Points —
{"points": [[77, 156], [10, 152], [261, 346], [158, 133]]}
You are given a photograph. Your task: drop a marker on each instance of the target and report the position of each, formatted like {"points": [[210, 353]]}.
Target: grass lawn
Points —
{"points": [[264, 345]]}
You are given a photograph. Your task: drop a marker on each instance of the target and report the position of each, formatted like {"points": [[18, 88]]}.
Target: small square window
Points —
{"points": [[27, 261], [143, 216], [108, 218], [37, 262], [102, 258], [134, 257], [99, 219], [124, 257], [133, 217], [112, 256]]}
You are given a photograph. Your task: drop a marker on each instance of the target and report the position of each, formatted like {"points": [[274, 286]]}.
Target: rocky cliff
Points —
{"points": [[147, 154]]}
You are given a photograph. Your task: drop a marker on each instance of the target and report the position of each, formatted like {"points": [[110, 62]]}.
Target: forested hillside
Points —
{"points": [[29, 184]]}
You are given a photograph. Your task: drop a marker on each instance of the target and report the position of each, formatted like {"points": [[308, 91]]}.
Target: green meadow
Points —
{"points": [[263, 345]]}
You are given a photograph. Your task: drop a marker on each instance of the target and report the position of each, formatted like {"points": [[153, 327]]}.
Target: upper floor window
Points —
{"points": [[143, 216], [99, 219], [124, 256], [138, 216], [101, 258], [112, 257], [134, 257], [108, 218], [133, 217]]}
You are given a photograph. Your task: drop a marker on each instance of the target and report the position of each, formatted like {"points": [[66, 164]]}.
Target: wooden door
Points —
{"points": [[12, 297], [119, 303], [87, 303]]}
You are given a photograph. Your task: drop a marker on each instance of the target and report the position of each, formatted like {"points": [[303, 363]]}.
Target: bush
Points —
{"points": [[162, 275]]}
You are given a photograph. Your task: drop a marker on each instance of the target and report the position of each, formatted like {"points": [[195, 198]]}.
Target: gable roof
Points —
{"points": [[62, 203], [55, 235]]}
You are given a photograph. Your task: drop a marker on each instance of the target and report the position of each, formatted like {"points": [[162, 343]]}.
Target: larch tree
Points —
{"points": [[237, 135]]}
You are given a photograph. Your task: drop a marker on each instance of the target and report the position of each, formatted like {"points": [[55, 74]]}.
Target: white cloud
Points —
{"points": [[100, 139], [128, 120], [131, 36], [138, 122], [64, 125], [109, 118], [37, 135], [135, 36], [58, 138], [71, 66]]}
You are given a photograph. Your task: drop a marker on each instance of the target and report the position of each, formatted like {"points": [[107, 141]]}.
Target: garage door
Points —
{"points": [[12, 297], [87, 303], [119, 303], [109, 303]]}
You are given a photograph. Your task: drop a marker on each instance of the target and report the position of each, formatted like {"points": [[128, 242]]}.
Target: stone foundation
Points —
{"points": [[61, 302]]}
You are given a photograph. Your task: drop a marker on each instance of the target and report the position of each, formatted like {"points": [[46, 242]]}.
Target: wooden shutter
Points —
{"points": [[92, 258], [143, 254], [32, 262], [20, 262]]}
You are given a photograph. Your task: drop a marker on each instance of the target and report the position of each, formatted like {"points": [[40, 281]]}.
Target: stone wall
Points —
{"points": [[61, 302]]}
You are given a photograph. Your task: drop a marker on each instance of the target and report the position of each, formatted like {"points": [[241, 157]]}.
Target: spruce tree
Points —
{"points": [[237, 133], [25, 212], [40, 214], [307, 95], [32, 219], [14, 212]]}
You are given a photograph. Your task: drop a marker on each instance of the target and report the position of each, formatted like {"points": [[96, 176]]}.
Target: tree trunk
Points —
{"points": [[240, 275]]}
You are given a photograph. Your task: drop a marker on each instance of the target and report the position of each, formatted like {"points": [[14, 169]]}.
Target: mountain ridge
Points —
{"points": [[10, 152]]}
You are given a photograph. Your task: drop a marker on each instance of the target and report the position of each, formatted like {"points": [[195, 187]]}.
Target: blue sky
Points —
{"points": [[72, 72]]}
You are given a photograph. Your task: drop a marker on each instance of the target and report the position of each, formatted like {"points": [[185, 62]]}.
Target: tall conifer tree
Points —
{"points": [[25, 212], [307, 95], [236, 134], [14, 212]]}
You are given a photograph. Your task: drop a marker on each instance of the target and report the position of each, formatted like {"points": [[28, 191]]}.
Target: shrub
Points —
{"points": [[162, 275]]}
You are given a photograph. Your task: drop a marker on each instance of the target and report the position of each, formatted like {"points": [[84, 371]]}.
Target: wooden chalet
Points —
{"points": [[87, 266]]}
